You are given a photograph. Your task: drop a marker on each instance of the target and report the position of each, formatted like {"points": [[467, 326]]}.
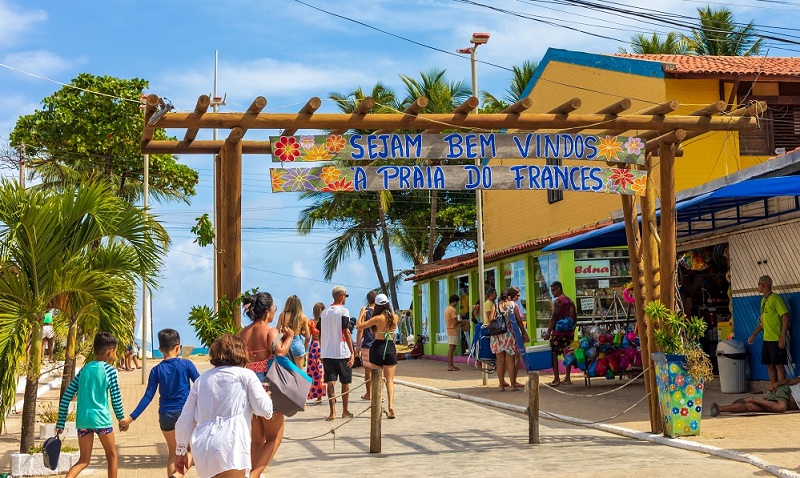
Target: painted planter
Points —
{"points": [[25, 464], [679, 396], [46, 430]]}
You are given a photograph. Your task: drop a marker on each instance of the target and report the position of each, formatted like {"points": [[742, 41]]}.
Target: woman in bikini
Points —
{"points": [[383, 353], [266, 434], [293, 318]]}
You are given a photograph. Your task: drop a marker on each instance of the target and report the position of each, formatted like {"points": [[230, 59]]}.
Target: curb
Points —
{"points": [[626, 432]]}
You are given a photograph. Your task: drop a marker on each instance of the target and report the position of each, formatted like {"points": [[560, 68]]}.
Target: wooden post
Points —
{"points": [[376, 382], [532, 387], [651, 285], [668, 223], [229, 227]]}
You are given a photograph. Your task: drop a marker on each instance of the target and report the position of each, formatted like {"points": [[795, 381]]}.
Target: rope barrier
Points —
{"points": [[352, 389], [588, 395], [557, 418], [332, 431]]}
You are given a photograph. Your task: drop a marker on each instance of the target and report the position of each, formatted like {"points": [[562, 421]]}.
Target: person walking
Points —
{"points": [[364, 339], [294, 318], [337, 351], [48, 335], [505, 346], [563, 313], [314, 367], [774, 321], [453, 327], [383, 352]]}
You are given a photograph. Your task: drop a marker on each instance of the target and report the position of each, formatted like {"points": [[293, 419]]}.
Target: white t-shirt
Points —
{"points": [[331, 332], [795, 390]]}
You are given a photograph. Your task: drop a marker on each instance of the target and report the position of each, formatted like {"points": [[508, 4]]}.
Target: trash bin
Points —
{"points": [[732, 358]]}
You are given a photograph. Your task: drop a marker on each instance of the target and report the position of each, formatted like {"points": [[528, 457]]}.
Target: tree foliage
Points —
{"points": [[672, 44], [93, 128], [719, 34]]}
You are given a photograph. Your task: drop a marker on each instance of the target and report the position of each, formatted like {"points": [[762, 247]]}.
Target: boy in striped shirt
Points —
{"points": [[93, 384]]}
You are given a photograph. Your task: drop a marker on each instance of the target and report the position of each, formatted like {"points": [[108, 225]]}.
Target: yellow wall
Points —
{"points": [[514, 217]]}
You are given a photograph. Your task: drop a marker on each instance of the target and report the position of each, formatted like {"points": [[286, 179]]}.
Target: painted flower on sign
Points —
{"points": [[639, 185], [307, 142], [634, 146], [317, 153], [621, 177], [341, 184], [330, 174], [286, 148], [609, 147], [277, 180], [334, 143], [300, 179]]}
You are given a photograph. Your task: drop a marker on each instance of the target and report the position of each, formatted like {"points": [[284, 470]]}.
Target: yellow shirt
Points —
{"points": [[451, 320], [487, 312]]}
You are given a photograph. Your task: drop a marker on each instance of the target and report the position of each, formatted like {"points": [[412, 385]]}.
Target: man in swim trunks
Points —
{"points": [[784, 395]]}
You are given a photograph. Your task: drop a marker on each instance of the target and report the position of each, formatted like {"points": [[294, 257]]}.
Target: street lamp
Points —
{"points": [[478, 39]]}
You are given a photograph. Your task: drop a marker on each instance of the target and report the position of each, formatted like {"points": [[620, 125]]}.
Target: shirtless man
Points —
{"points": [[782, 396]]}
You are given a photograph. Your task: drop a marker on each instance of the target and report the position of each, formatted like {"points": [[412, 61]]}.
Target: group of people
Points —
{"points": [[227, 411]]}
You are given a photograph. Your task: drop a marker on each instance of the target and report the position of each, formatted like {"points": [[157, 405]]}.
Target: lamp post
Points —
{"points": [[478, 39]]}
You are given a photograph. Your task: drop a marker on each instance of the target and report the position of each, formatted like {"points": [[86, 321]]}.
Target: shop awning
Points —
{"points": [[703, 209]]}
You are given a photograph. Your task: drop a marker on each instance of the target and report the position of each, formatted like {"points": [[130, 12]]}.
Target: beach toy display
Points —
{"points": [[601, 353]]}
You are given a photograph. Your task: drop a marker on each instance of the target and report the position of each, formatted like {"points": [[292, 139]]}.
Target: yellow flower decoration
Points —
{"points": [[610, 147], [639, 185], [317, 153], [330, 174], [277, 181]]}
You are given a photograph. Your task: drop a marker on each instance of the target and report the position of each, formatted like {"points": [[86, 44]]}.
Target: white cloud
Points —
{"points": [[301, 270], [39, 62], [16, 24]]}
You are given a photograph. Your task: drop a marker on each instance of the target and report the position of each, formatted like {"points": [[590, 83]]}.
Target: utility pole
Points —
{"points": [[145, 301], [216, 102]]}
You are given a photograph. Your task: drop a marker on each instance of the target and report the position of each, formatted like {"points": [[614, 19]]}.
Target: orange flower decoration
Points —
{"points": [[639, 186], [287, 148], [317, 153], [277, 181], [334, 143], [610, 147], [341, 184], [330, 174]]}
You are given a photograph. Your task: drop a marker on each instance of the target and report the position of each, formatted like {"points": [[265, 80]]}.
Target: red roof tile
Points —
{"points": [[724, 65]]}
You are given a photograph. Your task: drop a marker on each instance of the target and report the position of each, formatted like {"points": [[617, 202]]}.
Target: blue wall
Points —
{"points": [[745, 317]]}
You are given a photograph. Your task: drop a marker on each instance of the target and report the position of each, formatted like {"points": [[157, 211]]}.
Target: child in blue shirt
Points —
{"points": [[172, 377], [93, 384]]}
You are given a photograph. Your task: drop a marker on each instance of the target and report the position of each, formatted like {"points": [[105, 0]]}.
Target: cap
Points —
{"points": [[339, 290], [381, 299]]}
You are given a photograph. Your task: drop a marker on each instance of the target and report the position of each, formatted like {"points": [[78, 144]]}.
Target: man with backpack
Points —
{"points": [[561, 329]]}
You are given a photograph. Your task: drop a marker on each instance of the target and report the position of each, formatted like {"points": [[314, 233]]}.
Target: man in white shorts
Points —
{"points": [[48, 334]]}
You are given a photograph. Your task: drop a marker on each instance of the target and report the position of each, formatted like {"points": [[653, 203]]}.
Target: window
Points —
{"points": [[552, 194], [441, 334], [425, 309]]}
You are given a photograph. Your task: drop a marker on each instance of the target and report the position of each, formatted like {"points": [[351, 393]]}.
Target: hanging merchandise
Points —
{"points": [[605, 354], [695, 260]]}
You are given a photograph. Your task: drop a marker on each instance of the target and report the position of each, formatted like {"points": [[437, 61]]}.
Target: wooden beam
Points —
{"points": [[310, 107], [668, 223], [462, 110], [200, 108], [256, 106], [412, 110], [567, 108], [678, 151], [672, 137], [710, 110], [519, 106], [753, 109], [662, 109], [622, 105], [339, 122], [229, 226], [362, 108], [151, 106]]}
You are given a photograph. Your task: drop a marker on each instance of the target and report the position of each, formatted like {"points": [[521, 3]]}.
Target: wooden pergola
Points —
{"points": [[652, 250]]}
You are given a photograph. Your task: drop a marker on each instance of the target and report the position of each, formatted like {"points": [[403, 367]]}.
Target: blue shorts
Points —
{"points": [[82, 432], [166, 420], [298, 348]]}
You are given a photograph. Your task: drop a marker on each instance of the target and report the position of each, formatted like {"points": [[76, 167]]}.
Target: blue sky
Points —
{"points": [[288, 51]]}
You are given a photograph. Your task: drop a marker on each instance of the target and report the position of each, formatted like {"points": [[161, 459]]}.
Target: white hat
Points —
{"points": [[381, 299]]}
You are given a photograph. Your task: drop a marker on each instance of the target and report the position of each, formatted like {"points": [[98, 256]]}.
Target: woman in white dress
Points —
{"points": [[216, 417]]}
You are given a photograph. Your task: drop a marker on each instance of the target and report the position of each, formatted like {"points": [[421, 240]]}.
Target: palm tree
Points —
{"points": [[48, 244], [719, 34], [520, 77], [672, 44]]}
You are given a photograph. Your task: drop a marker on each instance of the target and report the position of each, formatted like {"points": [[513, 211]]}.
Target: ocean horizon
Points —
{"points": [[196, 351]]}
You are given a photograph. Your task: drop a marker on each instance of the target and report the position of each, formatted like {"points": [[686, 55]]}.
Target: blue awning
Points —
{"points": [[701, 208]]}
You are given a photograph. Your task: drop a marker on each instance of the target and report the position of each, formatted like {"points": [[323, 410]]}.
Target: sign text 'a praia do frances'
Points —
{"points": [[457, 146]]}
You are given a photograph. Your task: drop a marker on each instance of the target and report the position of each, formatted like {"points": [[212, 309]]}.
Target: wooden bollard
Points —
{"points": [[532, 387], [376, 380]]}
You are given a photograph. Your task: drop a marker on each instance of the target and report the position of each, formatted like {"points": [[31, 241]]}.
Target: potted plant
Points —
{"points": [[681, 368], [32, 464]]}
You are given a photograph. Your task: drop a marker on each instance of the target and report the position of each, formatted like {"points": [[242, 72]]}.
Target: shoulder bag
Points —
{"points": [[288, 384], [498, 326]]}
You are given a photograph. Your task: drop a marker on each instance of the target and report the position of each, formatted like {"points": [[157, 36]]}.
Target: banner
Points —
{"points": [[372, 147], [466, 177]]}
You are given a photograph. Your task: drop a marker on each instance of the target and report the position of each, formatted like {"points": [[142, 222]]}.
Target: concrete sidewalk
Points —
{"points": [[435, 435]]}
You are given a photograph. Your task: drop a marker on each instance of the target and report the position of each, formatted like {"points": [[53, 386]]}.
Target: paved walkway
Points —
{"points": [[436, 435]]}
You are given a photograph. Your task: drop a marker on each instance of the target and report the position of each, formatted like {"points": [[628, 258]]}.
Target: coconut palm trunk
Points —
{"points": [[70, 354], [33, 370], [388, 252], [374, 253]]}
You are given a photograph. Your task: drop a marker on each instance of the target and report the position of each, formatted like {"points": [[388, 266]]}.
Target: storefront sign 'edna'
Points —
{"points": [[457, 146], [466, 177]]}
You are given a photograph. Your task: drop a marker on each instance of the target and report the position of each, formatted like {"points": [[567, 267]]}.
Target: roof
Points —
{"points": [[467, 261], [680, 65]]}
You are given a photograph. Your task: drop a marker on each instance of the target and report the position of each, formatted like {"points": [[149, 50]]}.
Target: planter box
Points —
{"points": [[24, 464], [46, 430], [679, 396]]}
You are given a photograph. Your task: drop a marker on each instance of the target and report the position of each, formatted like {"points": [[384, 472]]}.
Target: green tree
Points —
{"points": [[88, 130], [672, 44], [719, 34], [521, 75], [48, 250]]}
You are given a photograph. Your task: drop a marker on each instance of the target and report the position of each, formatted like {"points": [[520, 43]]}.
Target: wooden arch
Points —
{"points": [[662, 131]]}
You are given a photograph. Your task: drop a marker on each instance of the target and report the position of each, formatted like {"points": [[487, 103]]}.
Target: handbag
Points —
{"points": [[498, 326], [288, 386], [51, 451]]}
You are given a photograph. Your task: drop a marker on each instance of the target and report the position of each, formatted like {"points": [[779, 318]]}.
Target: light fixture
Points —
{"points": [[479, 38], [464, 51], [163, 108]]}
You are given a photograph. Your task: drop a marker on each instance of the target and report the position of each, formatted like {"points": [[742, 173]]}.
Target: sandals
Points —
{"points": [[330, 419], [389, 414], [348, 415], [555, 383], [453, 369]]}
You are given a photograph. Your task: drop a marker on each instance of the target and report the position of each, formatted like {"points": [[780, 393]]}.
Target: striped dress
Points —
{"points": [[92, 384]]}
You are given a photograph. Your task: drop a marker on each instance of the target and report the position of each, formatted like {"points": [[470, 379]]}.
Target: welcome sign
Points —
{"points": [[466, 177], [457, 146]]}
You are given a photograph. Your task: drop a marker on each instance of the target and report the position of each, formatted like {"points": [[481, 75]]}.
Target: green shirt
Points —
{"points": [[772, 309], [93, 384]]}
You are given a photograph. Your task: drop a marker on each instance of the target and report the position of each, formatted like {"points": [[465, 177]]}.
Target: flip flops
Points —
{"points": [[453, 369], [347, 415]]}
